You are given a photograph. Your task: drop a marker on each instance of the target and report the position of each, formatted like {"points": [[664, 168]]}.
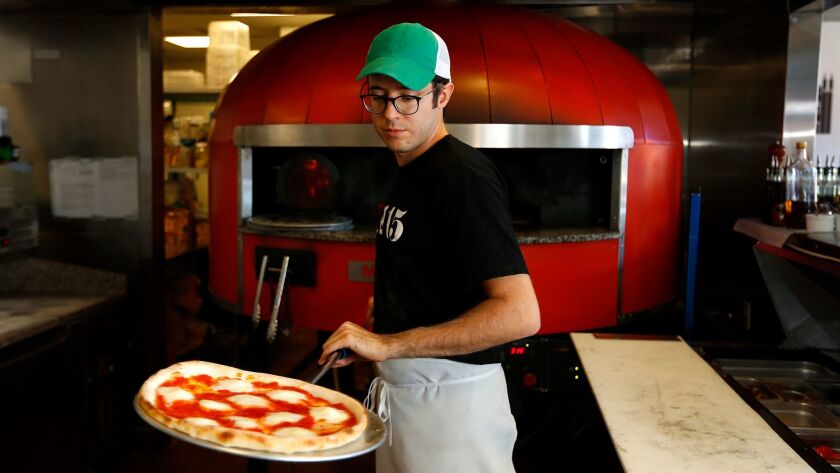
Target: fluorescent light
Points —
{"points": [[246, 15], [189, 41]]}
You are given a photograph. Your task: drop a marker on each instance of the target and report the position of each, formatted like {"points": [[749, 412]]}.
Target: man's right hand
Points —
{"points": [[364, 345]]}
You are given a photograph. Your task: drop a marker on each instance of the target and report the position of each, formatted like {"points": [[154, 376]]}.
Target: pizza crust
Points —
{"points": [[249, 439]]}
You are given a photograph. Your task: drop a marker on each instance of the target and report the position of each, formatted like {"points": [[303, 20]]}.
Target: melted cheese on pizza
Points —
{"points": [[244, 422], [276, 418], [248, 400], [233, 385], [286, 395], [264, 407], [329, 415], [172, 394], [212, 405]]}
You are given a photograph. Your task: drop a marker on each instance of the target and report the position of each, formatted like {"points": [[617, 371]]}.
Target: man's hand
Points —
{"points": [[363, 344]]}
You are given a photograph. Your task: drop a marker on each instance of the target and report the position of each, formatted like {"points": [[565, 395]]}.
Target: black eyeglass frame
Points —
{"points": [[393, 100]]}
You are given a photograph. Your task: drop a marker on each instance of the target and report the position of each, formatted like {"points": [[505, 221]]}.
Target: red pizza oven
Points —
{"points": [[585, 135]]}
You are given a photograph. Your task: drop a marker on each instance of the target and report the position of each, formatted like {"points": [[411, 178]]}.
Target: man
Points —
{"points": [[450, 282]]}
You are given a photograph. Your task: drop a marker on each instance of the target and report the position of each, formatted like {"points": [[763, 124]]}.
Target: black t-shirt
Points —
{"points": [[445, 228]]}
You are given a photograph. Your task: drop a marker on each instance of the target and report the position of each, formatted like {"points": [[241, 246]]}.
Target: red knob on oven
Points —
{"points": [[529, 380]]}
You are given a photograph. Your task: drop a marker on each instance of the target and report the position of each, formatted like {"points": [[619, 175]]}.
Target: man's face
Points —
{"points": [[407, 136]]}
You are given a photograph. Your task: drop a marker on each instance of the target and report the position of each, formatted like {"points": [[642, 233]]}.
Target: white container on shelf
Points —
{"points": [[815, 223], [182, 79], [222, 64], [230, 45], [229, 33], [245, 56]]}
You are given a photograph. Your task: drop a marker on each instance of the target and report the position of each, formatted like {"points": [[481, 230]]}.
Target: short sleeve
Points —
{"points": [[476, 215]]}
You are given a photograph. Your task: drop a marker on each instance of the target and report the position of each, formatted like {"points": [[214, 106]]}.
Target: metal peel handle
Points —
{"points": [[339, 354]]}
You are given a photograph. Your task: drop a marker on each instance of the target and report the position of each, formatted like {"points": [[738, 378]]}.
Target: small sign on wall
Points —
{"points": [[94, 187]]}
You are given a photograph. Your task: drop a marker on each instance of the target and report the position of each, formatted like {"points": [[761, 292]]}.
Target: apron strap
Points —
{"points": [[378, 395]]}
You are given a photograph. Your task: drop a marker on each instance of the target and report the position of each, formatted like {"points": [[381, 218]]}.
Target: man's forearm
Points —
{"points": [[491, 323], [509, 313]]}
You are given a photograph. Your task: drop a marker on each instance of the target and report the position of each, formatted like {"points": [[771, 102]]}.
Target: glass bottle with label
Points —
{"points": [[825, 187], [801, 188], [774, 186]]}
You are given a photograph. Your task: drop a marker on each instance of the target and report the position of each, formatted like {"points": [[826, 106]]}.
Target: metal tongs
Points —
{"points": [[271, 334], [339, 354]]}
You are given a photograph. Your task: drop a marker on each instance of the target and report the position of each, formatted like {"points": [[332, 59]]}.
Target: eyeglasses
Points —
{"points": [[405, 104]]}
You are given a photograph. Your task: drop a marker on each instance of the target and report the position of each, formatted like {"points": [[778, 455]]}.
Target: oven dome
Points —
{"points": [[509, 65]]}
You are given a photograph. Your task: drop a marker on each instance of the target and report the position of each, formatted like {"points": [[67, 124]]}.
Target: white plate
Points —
{"points": [[370, 440]]}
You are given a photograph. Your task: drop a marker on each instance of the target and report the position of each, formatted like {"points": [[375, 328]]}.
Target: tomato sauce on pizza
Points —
{"points": [[231, 403]]}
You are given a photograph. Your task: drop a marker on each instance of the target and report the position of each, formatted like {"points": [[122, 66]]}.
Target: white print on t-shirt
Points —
{"points": [[390, 225]]}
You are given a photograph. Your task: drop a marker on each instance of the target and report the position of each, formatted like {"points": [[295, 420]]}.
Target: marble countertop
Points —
{"points": [[38, 295], [23, 317], [667, 410], [366, 234]]}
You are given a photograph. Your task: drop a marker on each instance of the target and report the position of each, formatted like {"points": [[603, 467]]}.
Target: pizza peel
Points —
{"points": [[370, 440]]}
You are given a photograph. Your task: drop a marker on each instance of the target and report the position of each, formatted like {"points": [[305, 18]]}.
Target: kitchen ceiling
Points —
{"points": [[264, 30]]}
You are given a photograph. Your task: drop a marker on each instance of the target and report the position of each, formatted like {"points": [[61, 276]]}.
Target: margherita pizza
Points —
{"points": [[258, 411]]}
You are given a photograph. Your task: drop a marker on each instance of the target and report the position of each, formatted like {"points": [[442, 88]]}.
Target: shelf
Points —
{"points": [[192, 90], [186, 170]]}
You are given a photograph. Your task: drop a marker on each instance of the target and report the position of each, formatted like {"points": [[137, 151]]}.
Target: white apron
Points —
{"points": [[443, 416]]}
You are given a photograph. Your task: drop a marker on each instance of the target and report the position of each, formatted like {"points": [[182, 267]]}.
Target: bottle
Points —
{"points": [[835, 185], [8, 151], [774, 186], [825, 187], [801, 188]]}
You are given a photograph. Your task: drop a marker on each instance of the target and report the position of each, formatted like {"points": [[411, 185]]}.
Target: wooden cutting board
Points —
{"points": [[667, 410]]}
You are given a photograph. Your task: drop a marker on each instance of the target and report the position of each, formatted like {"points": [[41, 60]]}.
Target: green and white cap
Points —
{"points": [[409, 53]]}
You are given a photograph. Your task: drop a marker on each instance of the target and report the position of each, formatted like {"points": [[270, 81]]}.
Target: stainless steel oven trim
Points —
{"points": [[479, 135], [619, 217], [244, 210]]}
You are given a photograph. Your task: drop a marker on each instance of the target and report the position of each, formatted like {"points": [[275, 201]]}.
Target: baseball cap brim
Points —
{"points": [[403, 71]]}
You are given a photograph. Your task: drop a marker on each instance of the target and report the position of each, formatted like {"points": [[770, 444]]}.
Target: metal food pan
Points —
{"points": [[776, 369], [795, 390], [827, 445], [759, 389], [804, 416], [829, 391]]}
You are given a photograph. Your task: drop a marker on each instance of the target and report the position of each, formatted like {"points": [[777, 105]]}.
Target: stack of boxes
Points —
{"points": [[229, 50]]}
